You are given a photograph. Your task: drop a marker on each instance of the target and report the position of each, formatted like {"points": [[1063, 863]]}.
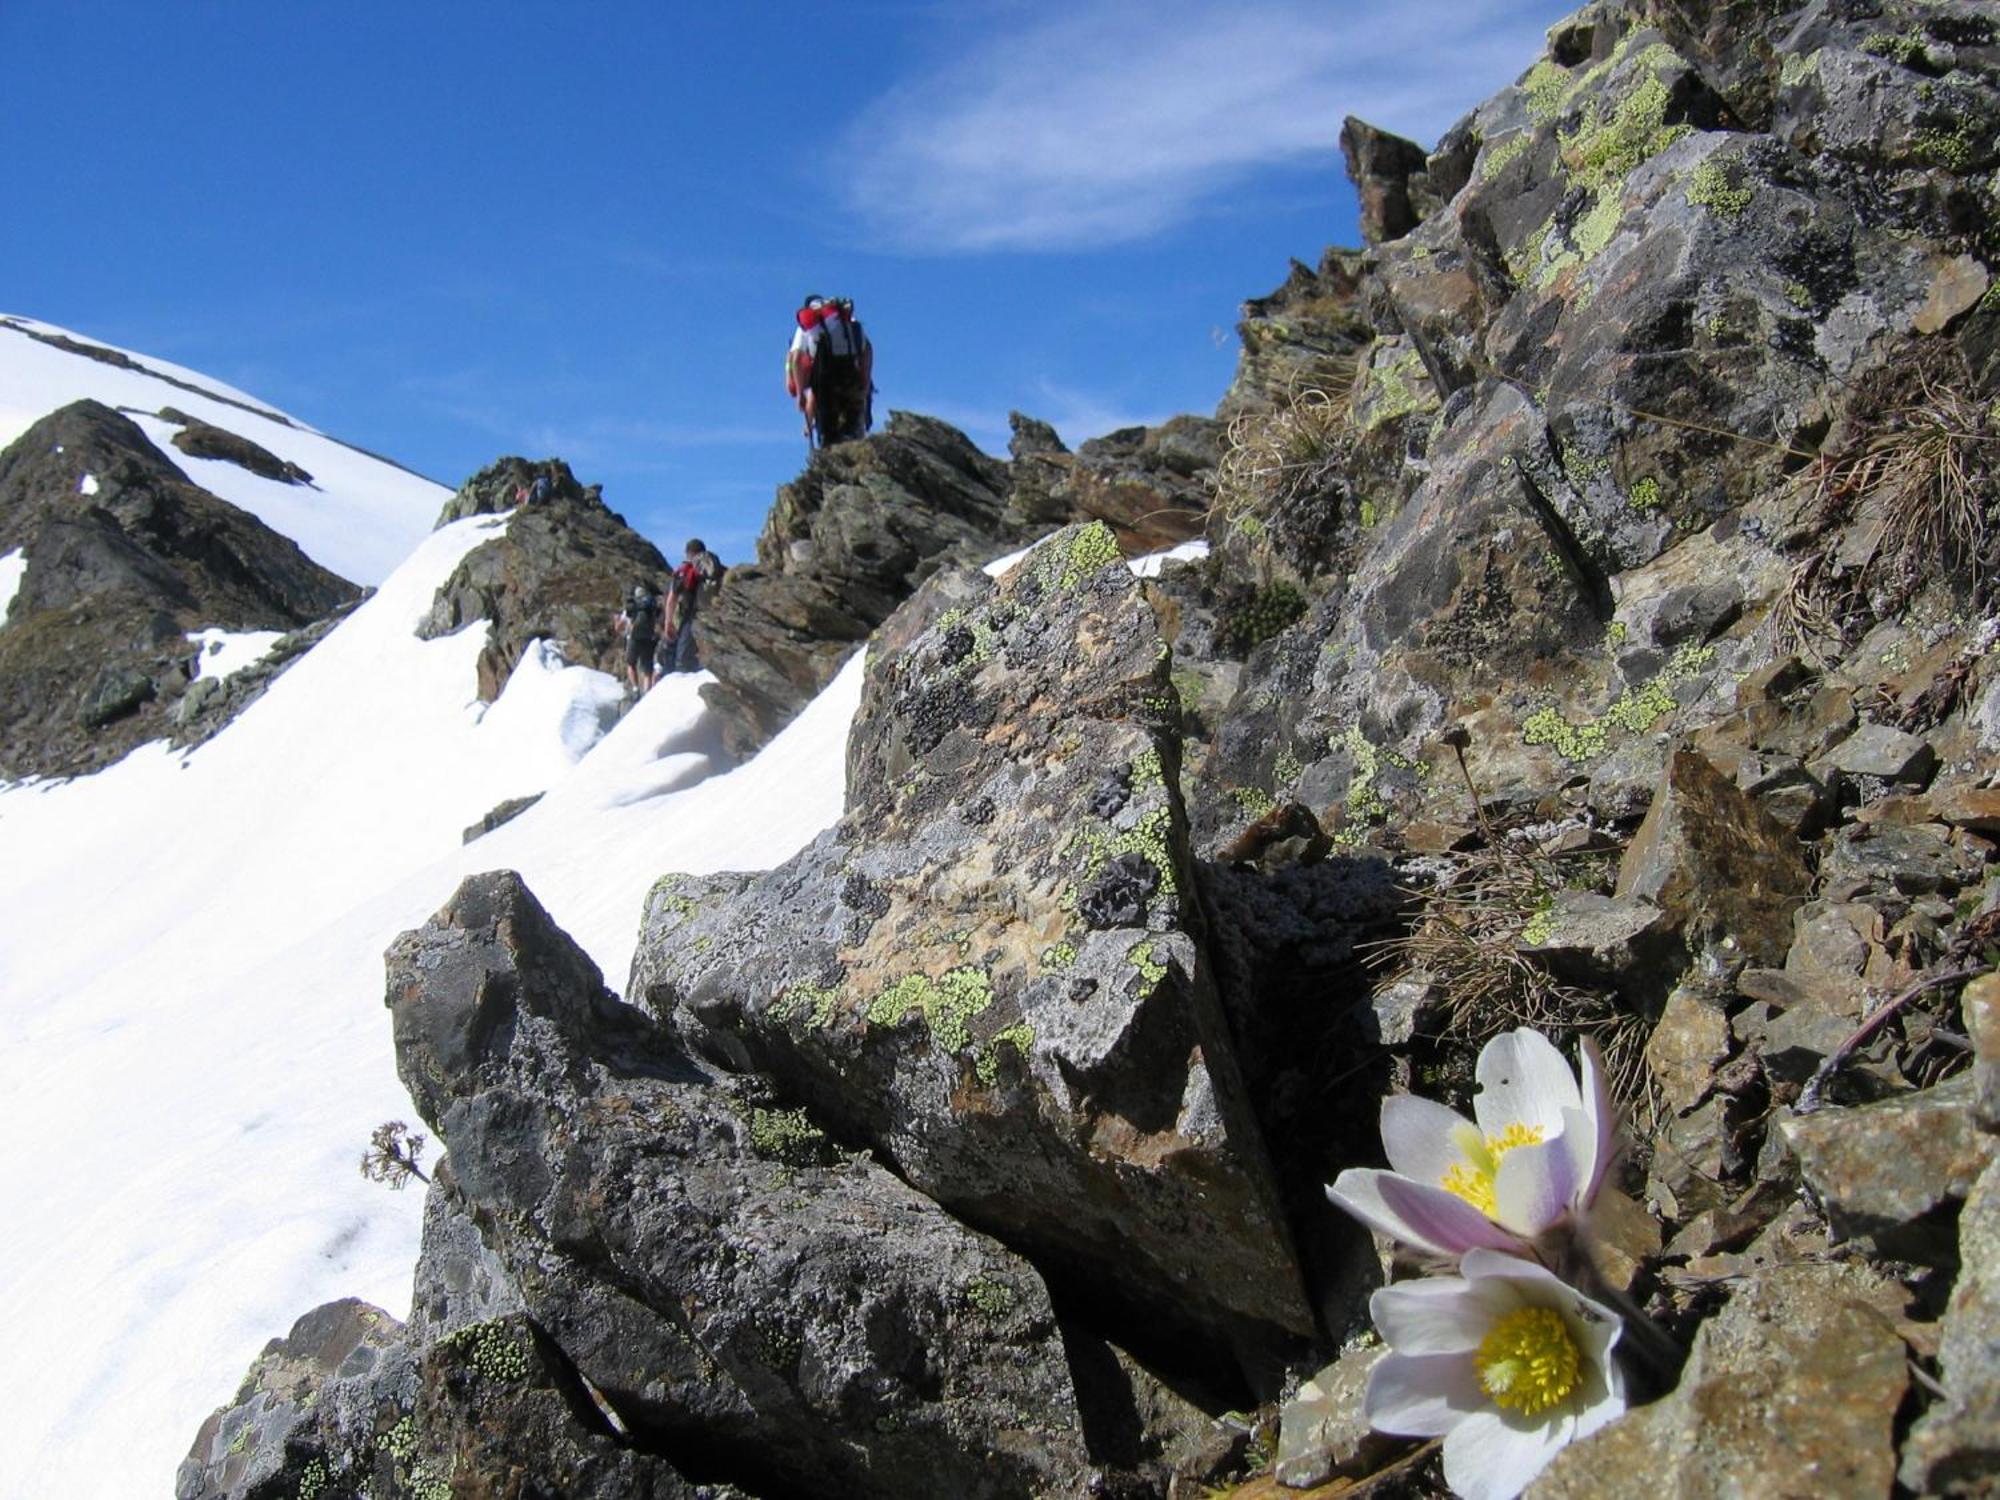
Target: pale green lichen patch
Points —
{"points": [[1253, 800], [1141, 957], [816, 1002], [667, 896], [1799, 295], [946, 1004], [1644, 494], [1020, 1036], [1604, 148], [492, 1350], [1722, 187], [788, 1136], [313, 1480], [1495, 158], [1083, 554], [400, 1441], [1146, 771], [1950, 148], [1286, 769], [1541, 926], [1795, 69], [1594, 230], [1545, 88], [990, 1297], [1396, 387], [1906, 50], [1059, 956], [1635, 711], [1370, 514]]}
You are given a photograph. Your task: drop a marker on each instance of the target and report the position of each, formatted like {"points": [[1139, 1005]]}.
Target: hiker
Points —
{"points": [[702, 570], [540, 490], [639, 623], [830, 371]]}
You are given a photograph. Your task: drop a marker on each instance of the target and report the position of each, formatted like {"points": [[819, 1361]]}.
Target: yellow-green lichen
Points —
{"points": [[1146, 772], [427, 1484], [1020, 1036], [1396, 388], [1795, 69], [1635, 710], [788, 1136], [1494, 159], [1544, 89], [1644, 494], [400, 1441], [1906, 50], [1059, 955], [492, 1350], [1604, 149], [1722, 187], [1951, 149], [990, 1297], [665, 896], [946, 1004], [1140, 956], [1614, 634], [1541, 926], [1085, 553], [1799, 295], [817, 1002], [1254, 800], [1252, 527], [312, 1480], [1991, 301], [1594, 230], [1150, 836], [1286, 769], [1370, 513]]}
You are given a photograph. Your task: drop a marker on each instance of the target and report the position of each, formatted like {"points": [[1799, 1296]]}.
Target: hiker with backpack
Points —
{"points": [[830, 371], [697, 575], [639, 623]]}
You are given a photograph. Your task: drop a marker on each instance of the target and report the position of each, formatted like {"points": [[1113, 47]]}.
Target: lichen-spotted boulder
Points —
{"points": [[784, 1314], [992, 969]]}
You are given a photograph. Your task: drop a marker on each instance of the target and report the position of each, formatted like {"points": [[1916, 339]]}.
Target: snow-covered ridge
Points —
{"points": [[360, 517]]}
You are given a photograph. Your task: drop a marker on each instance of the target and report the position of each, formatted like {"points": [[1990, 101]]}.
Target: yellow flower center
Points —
{"points": [[1472, 1179], [1528, 1362]]}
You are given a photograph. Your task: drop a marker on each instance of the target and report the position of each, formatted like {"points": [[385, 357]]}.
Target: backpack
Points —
{"points": [[643, 616], [688, 579], [837, 364]]}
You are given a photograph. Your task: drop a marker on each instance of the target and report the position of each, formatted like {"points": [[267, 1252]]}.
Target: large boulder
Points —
{"points": [[733, 1284], [125, 556], [993, 970]]}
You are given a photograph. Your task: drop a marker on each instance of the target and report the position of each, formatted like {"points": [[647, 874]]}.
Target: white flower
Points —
{"points": [[1504, 1361], [1537, 1154]]}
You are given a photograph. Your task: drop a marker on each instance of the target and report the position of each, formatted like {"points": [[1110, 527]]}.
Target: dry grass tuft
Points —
{"points": [[1279, 460], [1909, 506]]}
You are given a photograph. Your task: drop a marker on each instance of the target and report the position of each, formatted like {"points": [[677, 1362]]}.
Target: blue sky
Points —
{"points": [[446, 231]]}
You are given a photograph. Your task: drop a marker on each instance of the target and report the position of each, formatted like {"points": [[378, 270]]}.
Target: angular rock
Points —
{"points": [[736, 1287], [1717, 864], [1620, 942], [1981, 1007], [1954, 1449], [1875, 1168], [1884, 751], [1380, 166], [1689, 1040], [560, 572], [992, 972], [1303, 336], [1792, 1388], [845, 543], [199, 439], [1321, 1430]]}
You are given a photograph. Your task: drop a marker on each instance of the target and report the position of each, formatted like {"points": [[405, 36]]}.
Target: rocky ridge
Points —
{"points": [[1597, 613], [124, 556]]}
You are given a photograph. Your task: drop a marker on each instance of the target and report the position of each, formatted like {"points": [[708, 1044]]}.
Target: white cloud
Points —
{"points": [[1119, 119]]}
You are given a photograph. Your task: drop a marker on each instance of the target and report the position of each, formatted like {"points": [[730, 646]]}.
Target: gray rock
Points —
{"points": [[1690, 1039], [1884, 751], [1875, 1168], [991, 971], [1954, 1449], [1321, 1429], [729, 1280]]}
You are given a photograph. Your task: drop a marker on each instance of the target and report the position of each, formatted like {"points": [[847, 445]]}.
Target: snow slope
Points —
{"points": [[360, 517]]}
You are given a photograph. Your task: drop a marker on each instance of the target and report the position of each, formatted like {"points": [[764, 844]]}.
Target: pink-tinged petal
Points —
{"points": [[1423, 1139], [1443, 1219], [1421, 1395], [1489, 1456], [1603, 1117], [1523, 1080], [1438, 1315], [1533, 1186], [1423, 1217]]}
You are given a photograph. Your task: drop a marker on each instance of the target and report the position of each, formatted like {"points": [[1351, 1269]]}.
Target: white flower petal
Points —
{"points": [[1523, 1080], [1438, 1315], [1422, 1216], [1533, 1186], [1423, 1139], [1491, 1457], [1603, 1117], [1421, 1395]]}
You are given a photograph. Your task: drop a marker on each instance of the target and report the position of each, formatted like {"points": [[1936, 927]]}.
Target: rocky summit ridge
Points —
{"points": [[1597, 632]]}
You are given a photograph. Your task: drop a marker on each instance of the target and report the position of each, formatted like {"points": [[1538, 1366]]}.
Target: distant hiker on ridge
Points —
{"points": [[639, 623], [830, 371], [702, 570]]}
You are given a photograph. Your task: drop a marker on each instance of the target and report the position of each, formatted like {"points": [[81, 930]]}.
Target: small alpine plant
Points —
{"points": [[1504, 1361], [1518, 1178]]}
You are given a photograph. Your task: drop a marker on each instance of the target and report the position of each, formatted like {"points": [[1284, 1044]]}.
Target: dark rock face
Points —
{"points": [[740, 1290], [199, 439], [93, 654], [845, 543], [1383, 167], [1151, 485], [561, 571], [994, 973]]}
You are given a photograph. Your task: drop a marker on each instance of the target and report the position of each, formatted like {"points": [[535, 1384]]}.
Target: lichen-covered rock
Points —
{"points": [[1875, 1168], [992, 970], [1954, 1448], [733, 1283]]}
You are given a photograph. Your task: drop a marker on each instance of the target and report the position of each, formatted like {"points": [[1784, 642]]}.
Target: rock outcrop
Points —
{"points": [[124, 557], [1597, 632], [561, 571]]}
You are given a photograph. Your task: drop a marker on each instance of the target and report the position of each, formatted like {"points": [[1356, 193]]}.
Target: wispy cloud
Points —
{"points": [[1121, 119]]}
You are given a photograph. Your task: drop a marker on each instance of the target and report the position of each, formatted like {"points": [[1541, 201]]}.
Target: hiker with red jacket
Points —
{"points": [[701, 571], [830, 371]]}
